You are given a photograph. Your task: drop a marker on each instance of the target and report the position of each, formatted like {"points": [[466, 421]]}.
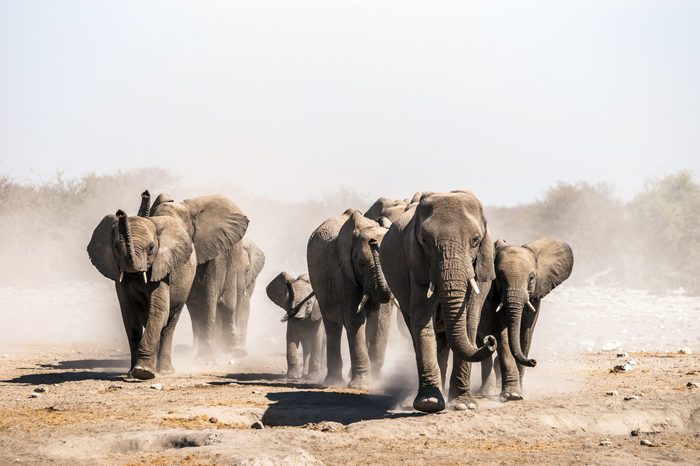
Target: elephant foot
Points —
{"points": [[360, 382], [511, 393], [313, 376], [294, 374], [487, 391], [463, 403], [334, 381], [429, 400], [166, 369], [143, 373]]}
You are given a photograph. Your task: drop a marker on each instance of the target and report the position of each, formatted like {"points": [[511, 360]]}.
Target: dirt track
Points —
{"points": [[91, 415]]}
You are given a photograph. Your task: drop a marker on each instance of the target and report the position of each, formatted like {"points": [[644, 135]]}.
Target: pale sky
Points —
{"points": [[293, 99]]}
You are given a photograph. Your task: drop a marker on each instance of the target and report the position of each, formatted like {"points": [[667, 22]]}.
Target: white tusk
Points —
{"points": [[362, 303], [396, 303], [500, 305], [474, 286], [431, 290], [145, 278], [121, 276], [532, 308], [245, 292]]}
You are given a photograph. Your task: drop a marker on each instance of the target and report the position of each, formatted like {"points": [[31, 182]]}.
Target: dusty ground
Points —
{"points": [[91, 415]]}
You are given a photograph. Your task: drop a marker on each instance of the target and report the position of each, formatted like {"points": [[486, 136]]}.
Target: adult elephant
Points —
{"points": [[524, 275], [152, 262], [391, 209], [304, 326], [347, 277], [438, 261], [226, 268]]}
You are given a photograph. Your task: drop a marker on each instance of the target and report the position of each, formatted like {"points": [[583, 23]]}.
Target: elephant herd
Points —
{"points": [[431, 257]]}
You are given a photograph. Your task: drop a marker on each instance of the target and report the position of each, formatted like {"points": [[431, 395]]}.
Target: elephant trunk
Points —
{"points": [[461, 322], [145, 208], [125, 242], [379, 284], [515, 303]]}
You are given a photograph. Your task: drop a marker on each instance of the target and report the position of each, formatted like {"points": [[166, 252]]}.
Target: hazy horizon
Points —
{"points": [[292, 101]]}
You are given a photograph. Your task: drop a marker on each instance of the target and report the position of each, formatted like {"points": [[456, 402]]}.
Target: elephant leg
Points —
{"points": [[207, 309], [306, 354], [165, 348], [429, 398], [294, 370], [132, 326], [510, 376], [158, 313], [334, 332], [443, 354], [196, 325], [224, 318], [315, 350], [488, 378], [377, 332], [355, 326], [460, 385], [240, 324]]}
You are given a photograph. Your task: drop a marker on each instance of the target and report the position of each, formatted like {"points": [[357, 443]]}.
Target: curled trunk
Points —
{"points": [[514, 314], [145, 208]]}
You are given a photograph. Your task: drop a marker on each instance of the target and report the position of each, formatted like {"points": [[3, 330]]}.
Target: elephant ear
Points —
{"points": [[278, 290], [485, 269], [257, 262], [100, 248], [174, 247], [555, 260], [215, 223], [384, 222], [500, 244], [161, 199]]}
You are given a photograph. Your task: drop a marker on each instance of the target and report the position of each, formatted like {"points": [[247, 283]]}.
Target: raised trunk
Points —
{"points": [[145, 208], [125, 238], [381, 287], [515, 302], [453, 293]]}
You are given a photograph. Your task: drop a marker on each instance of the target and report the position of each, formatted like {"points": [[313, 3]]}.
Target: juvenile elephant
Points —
{"points": [[152, 263], [524, 275], [226, 271], [347, 277], [438, 261], [304, 326]]}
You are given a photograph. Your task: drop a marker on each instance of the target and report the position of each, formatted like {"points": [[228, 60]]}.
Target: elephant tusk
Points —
{"points": [[365, 297], [396, 303], [474, 286], [431, 290], [121, 276], [145, 278], [500, 305], [245, 292], [532, 308]]}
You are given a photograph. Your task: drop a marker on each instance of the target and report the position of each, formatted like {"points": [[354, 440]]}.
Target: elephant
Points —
{"points": [[152, 262], [225, 276], [438, 259], [304, 325], [347, 277], [391, 209], [524, 275]]}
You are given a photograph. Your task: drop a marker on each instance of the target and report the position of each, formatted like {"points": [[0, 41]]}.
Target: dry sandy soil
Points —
{"points": [[89, 414]]}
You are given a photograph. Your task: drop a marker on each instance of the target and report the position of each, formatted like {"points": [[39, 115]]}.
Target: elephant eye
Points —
{"points": [[531, 278], [151, 248], [475, 241]]}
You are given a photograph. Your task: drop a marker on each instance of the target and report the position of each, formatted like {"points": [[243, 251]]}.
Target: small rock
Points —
{"points": [[213, 420], [41, 390], [605, 443], [622, 355], [646, 443], [635, 433], [34, 395], [632, 362], [612, 393], [255, 392], [692, 385], [631, 397], [685, 351], [626, 367], [157, 386], [257, 425]]}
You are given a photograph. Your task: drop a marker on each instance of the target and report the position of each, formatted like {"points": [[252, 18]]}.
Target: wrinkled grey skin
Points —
{"points": [[527, 272], [125, 248], [304, 325], [225, 273], [442, 240], [344, 265]]}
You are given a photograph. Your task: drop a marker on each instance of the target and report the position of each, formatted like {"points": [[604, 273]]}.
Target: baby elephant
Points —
{"points": [[304, 324]]}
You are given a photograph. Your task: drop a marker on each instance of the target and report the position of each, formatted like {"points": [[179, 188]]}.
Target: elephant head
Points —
{"points": [[452, 256], [253, 261], [389, 208], [294, 295], [134, 246], [358, 250], [525, 273]]}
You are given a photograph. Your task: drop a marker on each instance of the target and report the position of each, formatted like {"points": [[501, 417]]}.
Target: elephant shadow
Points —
{"points": [[298, 408], [267, 380], [76, 371]]}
